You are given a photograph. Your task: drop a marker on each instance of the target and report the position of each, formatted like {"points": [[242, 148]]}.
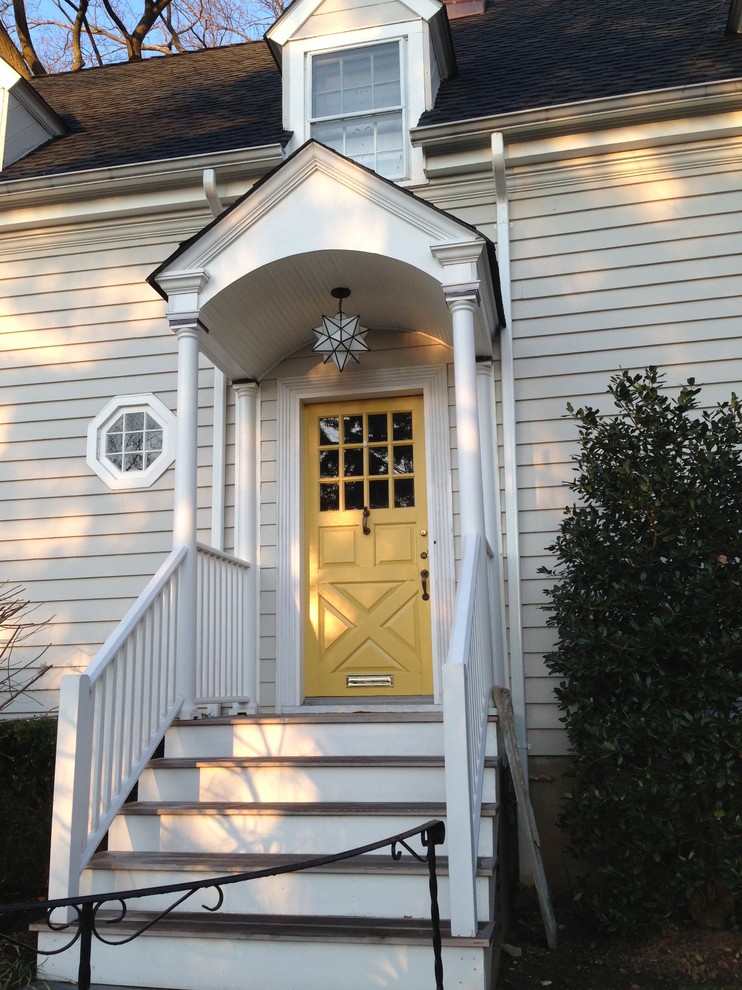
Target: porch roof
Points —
{"points": [[258, 277]]}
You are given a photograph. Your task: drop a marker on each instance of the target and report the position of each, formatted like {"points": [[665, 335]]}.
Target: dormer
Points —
{"points": [[358, 75], [26, 121]]}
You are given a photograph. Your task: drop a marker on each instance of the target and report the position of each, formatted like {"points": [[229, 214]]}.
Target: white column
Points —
{"points": [[184, 522], [247, 395], [218, 461], [471, 494], [463, 304]]}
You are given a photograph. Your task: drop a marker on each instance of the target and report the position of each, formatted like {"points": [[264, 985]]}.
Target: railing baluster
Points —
{"points": [[132, 683], [221, 636], [130, 704], [97, 754]]}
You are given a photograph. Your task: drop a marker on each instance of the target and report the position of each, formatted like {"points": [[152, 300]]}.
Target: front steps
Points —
{"points": [[237, 795]]}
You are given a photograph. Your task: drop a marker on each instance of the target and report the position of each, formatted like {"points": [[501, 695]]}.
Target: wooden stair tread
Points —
{"points": [[184, 762], [219, 864], [318, 718], [426, 809], [294, 928]]}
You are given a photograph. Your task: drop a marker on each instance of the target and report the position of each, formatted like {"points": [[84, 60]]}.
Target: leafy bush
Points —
{"points": [[647, 601], [18, 673], [26, 784]]}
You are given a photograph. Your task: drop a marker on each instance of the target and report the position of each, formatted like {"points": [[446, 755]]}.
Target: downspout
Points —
{"points": [[510, 462], [734, 20], [4, 100]]}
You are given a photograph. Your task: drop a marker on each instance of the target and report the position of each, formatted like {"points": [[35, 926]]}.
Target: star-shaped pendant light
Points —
{"points": [[340, 337]]}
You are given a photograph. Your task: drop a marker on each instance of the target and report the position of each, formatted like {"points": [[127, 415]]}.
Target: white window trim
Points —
{"points": [[292, 394], [416, 92], [99, 463], [404, 93]]}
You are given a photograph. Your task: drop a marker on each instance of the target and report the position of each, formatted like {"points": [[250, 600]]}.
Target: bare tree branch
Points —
{"points": [[100, 31], [119, 24], [24, 37], [11, 54], [152, 10], [17, 628]]}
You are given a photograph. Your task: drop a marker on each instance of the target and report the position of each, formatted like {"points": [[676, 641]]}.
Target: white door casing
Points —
{"points": [[432, 383]]}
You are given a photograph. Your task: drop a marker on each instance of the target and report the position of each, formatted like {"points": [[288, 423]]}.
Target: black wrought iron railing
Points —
{"points": [[83, 926]]}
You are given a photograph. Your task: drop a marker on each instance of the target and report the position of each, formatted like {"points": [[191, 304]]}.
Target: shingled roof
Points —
{"points": [[219, 99], [527, 54], [517, 55]]}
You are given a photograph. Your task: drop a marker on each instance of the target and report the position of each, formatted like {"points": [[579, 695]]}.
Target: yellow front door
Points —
{"points": [[367, 629]]}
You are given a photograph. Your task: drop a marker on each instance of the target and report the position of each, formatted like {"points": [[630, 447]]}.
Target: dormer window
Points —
{"points": [[357, 106], [357, 76]]}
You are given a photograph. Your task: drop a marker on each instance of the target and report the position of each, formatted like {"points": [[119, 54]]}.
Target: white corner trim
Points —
{"points": [[292, 395], [516, 666]]}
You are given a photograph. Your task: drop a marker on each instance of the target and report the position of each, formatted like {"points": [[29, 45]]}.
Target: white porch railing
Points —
{"points": [[467, 690], [113, 716], [222, 629], [111, 719]]}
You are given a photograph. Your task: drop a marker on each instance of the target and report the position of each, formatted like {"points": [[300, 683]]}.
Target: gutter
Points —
{"points": [[636, 108], [251, 161]]}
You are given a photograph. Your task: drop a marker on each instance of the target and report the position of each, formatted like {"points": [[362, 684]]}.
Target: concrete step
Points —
{"points": [[370, 884], [346, 734], [302, 778], [191, 951], [275, 827]]}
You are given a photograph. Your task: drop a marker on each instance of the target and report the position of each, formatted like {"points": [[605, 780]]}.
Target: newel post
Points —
{"points": [[184, 521], [71, 786]]}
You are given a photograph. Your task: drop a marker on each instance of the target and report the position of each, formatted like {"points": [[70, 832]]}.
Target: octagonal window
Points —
{"points": [[131, 442]]}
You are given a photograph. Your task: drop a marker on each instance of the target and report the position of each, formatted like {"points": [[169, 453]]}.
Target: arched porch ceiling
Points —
{"points": [[258, 278], [268, 314]]}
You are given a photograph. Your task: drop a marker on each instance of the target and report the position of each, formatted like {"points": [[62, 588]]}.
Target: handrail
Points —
{"points": [[467, 685], [118, 637], [86, 907], [111, 719]]}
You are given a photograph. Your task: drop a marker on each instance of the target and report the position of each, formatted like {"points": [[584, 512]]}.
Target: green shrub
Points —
{"points": [[26, 784], [647, 600]]}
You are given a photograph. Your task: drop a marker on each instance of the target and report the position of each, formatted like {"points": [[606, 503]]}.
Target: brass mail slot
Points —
{"points": [[369, 680]]}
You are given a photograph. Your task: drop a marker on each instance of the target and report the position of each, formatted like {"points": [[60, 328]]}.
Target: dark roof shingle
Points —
{"points": [[524, 54]]}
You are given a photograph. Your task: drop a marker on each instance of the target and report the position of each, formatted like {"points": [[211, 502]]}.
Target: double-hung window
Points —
{"points": [[357, 106]]}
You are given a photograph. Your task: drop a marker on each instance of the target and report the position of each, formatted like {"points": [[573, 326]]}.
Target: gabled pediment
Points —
{"points": [[26, 120], [260, 274], [334, 16]]}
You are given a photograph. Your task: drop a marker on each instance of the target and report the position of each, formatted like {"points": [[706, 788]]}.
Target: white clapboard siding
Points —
{"points": [[625, 263], [84, 329], [21, 362]]}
